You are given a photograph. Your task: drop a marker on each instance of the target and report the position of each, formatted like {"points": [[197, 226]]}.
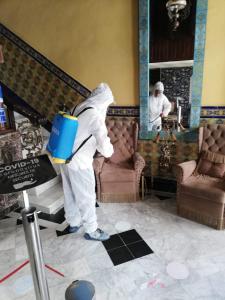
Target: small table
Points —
{"points": [[146, 173], [167, 181]]}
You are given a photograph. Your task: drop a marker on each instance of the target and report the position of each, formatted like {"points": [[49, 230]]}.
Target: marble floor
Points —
{"points": [[199, 249]]}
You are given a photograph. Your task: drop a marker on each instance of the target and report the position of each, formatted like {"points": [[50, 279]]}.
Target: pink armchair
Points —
{"points": [[201, 197], [118, 178]]}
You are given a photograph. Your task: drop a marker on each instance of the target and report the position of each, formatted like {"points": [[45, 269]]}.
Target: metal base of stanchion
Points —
{"points": [[32, 236]]}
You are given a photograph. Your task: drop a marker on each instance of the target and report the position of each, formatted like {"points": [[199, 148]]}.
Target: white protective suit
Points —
{"points": [[78, 175], [157, 106]]}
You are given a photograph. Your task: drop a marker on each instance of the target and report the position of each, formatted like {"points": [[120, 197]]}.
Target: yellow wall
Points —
{"points": [[92, 40], [214, 67]]}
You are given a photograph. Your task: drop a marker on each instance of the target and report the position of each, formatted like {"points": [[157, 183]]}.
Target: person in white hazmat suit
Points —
{"points": [[78, 175], [159, 107]]}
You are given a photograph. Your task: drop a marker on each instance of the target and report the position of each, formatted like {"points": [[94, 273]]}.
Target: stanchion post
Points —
{"points": [[32, 236]]}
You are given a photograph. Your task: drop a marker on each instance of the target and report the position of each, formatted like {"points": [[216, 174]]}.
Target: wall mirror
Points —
{"points": [[172, 43]]}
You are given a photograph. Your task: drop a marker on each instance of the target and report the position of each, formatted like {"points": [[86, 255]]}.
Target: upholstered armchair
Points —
{"points": [[118, 178], [201, 183]]}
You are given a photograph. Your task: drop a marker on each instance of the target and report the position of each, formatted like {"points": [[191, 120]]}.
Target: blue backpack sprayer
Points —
{"points": [[63, 135]]}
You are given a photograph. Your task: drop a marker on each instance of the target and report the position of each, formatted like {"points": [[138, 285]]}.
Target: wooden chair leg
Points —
{"points": [[142, 187], [220, 224]]}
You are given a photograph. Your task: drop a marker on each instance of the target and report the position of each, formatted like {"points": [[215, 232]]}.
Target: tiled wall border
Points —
{"points": [[123, 111], [200, 32], [214, 112]]}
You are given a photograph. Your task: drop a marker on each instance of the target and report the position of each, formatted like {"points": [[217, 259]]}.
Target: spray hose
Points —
{"points": [[155, 119]]}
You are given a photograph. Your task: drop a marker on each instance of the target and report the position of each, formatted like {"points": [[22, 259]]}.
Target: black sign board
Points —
{"points": [[25, 174]]}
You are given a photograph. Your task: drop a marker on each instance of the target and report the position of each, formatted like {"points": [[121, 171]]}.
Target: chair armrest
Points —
{"points": [[98, 163], [139, 162], [185, 170]]}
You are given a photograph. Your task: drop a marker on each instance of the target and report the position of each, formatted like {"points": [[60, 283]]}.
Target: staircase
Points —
{"points": [[35, 87], [33, 83]]}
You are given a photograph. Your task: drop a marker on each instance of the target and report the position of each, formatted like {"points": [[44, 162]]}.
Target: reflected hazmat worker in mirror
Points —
{"points": [[78, 175], [159, 107]]}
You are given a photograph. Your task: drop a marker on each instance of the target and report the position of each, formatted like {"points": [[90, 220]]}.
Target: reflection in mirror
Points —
{"points": [[171, 62], [159, 107]]}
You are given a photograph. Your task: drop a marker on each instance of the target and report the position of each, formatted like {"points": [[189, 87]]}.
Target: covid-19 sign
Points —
{"points": [[25, 174]]}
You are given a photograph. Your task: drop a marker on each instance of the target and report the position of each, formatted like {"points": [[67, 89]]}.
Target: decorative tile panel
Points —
{"points": [[31, 138], [177, 84], [10, 150]]}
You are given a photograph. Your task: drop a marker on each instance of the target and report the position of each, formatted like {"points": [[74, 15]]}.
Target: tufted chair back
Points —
{"points": [[123, 133], [212, 138], [118, 178]]}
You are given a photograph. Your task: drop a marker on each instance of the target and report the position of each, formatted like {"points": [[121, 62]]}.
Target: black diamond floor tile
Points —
{"points": [[114, 242], [18, 210], [19, 222], [96, 204], [64, 232], [139, 249], [42, 227], [56, 218], [120, 255], [130, 236]]}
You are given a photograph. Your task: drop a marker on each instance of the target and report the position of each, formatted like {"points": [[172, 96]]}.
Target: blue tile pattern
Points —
{"points": [[143, 65], [195, 115], [199, 53]]}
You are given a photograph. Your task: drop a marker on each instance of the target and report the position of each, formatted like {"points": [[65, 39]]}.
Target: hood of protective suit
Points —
{"points": [[100, 98], [158, 86]]}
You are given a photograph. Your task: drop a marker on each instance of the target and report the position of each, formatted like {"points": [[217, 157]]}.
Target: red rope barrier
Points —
{"points": [[14, 271], [23, 265], [57, 272]]}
